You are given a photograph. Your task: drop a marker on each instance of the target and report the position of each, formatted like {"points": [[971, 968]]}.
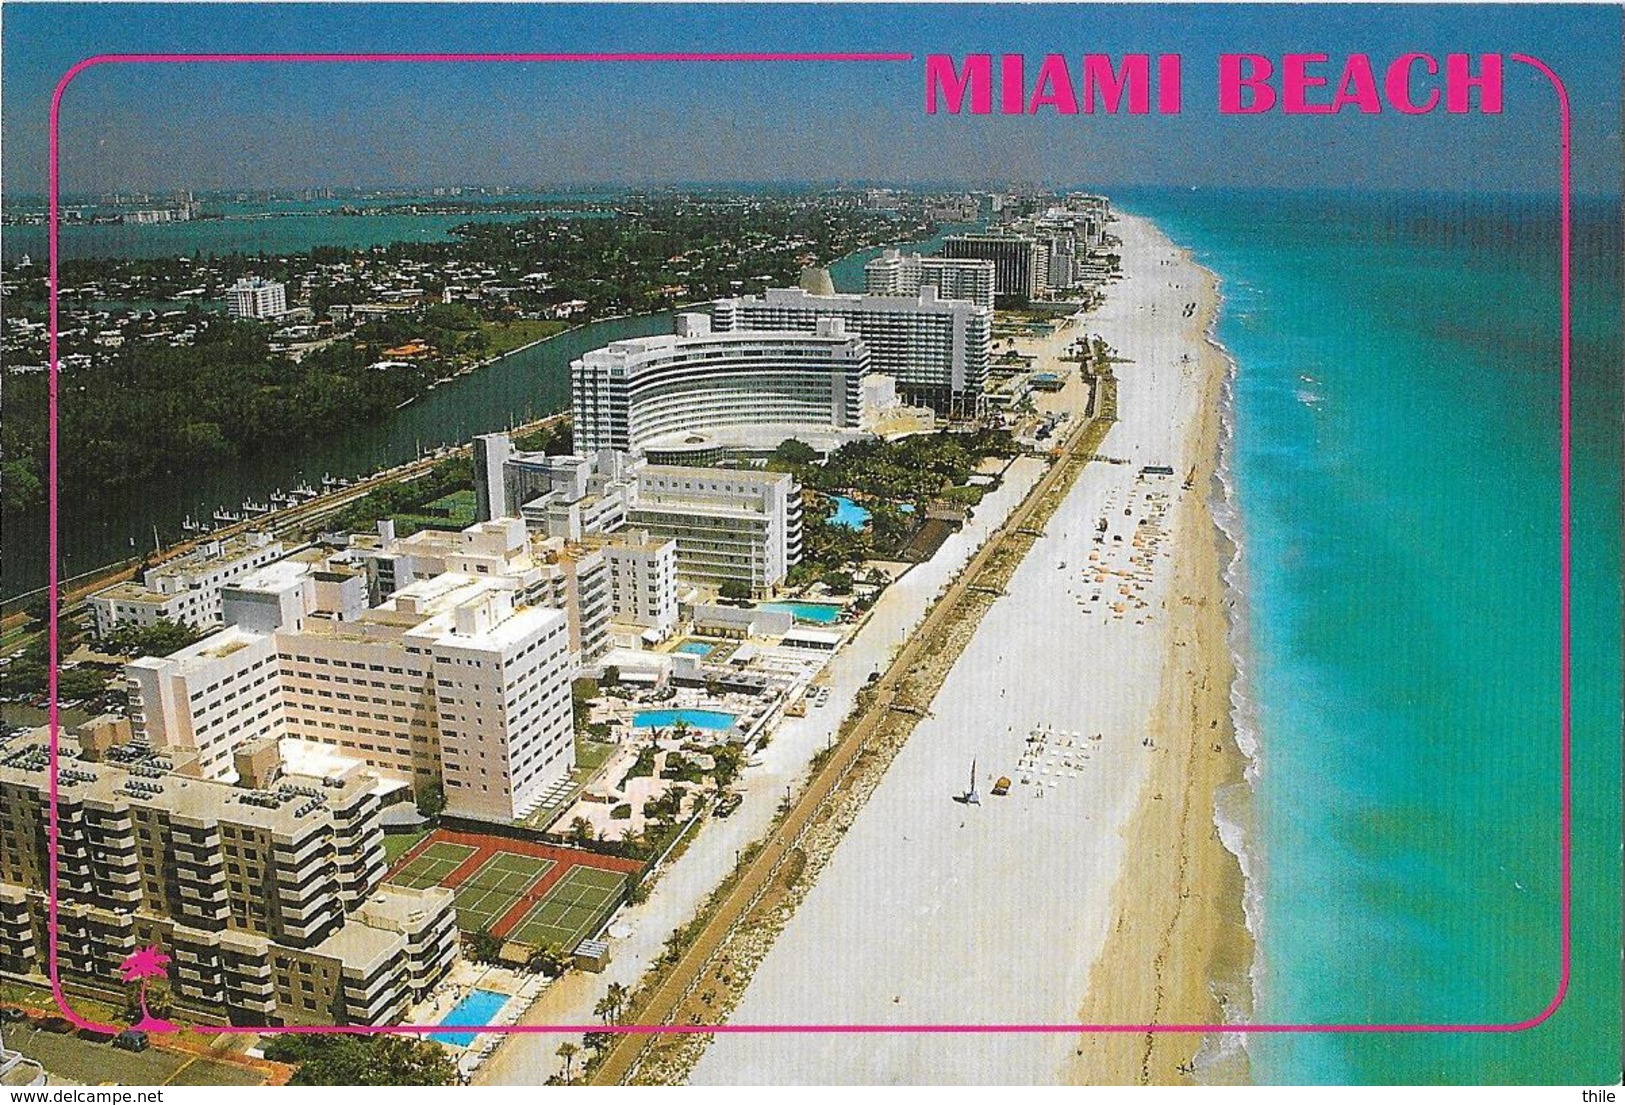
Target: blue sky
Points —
{"points": [[236, 126]]}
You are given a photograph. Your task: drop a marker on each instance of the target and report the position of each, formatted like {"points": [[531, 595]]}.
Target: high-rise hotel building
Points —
{"points": [[452, 679], [745, 386], [1020, 263], [896, 273], [936, 349]]}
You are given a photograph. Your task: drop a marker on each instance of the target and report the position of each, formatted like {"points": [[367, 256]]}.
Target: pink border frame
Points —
{"points": [[53, 590]]}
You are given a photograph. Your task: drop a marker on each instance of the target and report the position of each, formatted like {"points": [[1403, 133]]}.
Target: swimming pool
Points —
{"points": [[476, 1009], [694, 719], [848, 514], [822, 613], [695, 648]]}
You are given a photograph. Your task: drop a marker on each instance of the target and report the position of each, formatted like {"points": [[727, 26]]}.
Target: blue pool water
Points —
{"points": [[476, 1009], [848, 514], [695, 648], [694, 719], [820, 612]]}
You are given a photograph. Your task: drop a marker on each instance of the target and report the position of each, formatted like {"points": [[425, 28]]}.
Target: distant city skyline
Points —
{"points": [[248, 127]]}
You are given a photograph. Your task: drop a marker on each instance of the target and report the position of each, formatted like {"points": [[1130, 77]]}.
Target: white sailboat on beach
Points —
{"points": [[970, 797]]}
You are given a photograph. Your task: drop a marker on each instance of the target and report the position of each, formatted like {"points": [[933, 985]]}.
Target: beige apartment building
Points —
{"points": [[265, 893], [453, 679]]}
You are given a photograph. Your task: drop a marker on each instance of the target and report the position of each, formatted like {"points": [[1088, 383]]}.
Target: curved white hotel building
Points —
{"points": [[745, 388]]}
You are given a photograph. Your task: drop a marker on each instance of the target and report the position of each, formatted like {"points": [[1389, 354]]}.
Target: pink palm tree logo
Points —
{"points": [[141, 966]]}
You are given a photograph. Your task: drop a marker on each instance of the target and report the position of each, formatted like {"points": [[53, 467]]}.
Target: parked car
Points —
{"points": [[59, 1025], [728, 803], [10, 1014], [131, 1039]]}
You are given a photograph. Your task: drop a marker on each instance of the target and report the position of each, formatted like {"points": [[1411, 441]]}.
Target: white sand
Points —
{"points": [[933, 912]]}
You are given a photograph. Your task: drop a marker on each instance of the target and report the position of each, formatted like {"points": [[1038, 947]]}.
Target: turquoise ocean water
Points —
{"points": [[1391, 484]]}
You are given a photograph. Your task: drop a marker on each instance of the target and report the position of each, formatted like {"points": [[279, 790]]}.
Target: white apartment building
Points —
{"points": [[894, 273], [643, 581], [543, 571], [729, 526], [185, 590], [207, 699], [752, 386], [255, 297], [937, 349], [567, 496], [726, 524], [502, 697]]}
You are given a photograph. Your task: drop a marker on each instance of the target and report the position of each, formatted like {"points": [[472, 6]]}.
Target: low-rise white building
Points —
{"points": [[185, 590]]}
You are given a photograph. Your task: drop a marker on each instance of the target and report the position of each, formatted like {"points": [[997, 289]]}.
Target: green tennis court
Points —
{"points": [[489, 893], [432, 865], [509, 872], [572, 909]]}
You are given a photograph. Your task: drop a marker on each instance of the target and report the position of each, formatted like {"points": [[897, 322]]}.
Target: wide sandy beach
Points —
{"points": [[528, 1059], [1096, 891]]}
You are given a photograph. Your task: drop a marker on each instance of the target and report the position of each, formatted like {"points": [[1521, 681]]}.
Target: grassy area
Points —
{"points": [[397, 845], [409, 523], [26, 994], [591, 754], [505, 337], [458, 507]]}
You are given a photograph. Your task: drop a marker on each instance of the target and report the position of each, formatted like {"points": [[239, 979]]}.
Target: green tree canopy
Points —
{"points": [[344, 1060]]}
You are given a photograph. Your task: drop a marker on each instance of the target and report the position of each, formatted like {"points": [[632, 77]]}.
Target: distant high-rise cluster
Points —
{"points": [[1040, 253]]}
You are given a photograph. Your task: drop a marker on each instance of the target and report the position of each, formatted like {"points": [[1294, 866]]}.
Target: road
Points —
{"points": [[302, 516]]}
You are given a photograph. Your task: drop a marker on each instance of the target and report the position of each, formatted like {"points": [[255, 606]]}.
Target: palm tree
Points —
{"points": [[141, 966], [567, 1051], [581, 830], [617, 996]]}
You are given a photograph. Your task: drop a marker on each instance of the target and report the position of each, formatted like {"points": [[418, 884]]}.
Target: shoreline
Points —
{"points": [[1192, 930], [1096, 736]]}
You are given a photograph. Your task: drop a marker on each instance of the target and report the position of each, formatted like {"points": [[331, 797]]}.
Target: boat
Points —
{"points": [[225, 517]]}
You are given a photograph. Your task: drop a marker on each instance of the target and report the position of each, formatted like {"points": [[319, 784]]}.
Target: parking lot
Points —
{"points": [[91, 1060]]}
